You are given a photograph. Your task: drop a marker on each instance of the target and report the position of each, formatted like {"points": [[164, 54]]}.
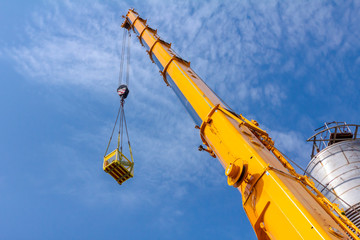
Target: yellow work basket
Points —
{"points": [[119, 166]]}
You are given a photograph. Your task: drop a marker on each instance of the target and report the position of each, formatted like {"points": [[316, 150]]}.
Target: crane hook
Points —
{"points": [[123, 91]]}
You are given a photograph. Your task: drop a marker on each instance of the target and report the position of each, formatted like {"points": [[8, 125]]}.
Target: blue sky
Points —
{"points": [[291, 65]]}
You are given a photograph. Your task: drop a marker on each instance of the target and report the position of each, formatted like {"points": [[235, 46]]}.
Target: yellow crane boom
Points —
{"points": [[279, 203]]}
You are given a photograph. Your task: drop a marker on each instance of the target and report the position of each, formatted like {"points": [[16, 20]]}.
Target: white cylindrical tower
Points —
{"points": [[335, 166]]}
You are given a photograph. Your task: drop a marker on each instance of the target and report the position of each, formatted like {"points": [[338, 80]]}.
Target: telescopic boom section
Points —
{"points": [[197, 98], [277, 202]]}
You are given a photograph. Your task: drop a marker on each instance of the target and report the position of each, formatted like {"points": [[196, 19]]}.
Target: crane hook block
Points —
{"points": [[118, 166], [123, 91]]}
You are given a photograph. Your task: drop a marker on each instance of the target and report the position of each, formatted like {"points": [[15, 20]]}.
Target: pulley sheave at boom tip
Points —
{"points": [[120, 167]]}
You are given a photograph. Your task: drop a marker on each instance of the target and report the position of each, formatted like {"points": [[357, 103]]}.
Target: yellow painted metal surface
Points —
{"points": [[118, 166], [279, 203]]}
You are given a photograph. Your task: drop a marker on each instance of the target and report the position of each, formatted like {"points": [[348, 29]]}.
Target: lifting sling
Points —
{"points": [[120, 167]]}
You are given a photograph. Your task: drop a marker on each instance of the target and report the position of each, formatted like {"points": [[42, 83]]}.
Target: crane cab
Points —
{"points": [[118, 166]]}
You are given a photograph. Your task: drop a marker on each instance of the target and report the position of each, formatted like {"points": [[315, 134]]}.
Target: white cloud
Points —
{"points": [[69, 44], [292, 144], [235, 46], [274, 94]]}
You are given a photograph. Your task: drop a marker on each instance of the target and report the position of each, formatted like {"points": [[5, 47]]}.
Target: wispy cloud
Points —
{"points": [[70, 44], [262, 38], [292, 144], [258, 56]]}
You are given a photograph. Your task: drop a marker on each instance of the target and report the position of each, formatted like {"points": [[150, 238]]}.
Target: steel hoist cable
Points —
{"points": [[123, 92], [119, 166], [128, 59], [112, 133], [122, 56]]}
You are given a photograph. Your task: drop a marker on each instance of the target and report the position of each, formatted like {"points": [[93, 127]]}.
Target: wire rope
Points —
{"points": [[125, 50], [122, 56], [128, 60], [112, 133]]}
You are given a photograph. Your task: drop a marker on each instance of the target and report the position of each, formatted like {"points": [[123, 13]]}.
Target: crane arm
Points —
{"points": [[277, 202]]}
